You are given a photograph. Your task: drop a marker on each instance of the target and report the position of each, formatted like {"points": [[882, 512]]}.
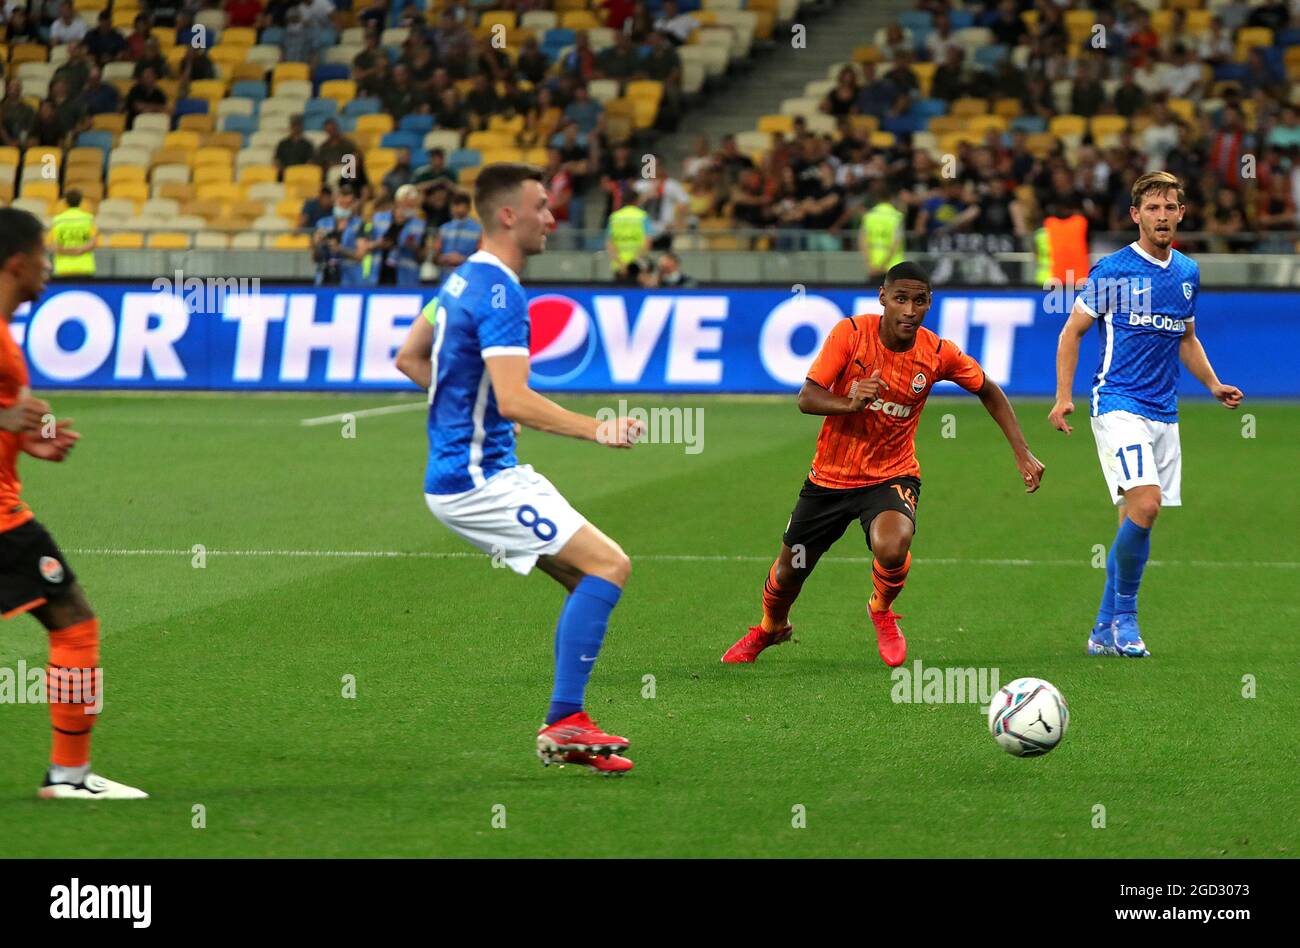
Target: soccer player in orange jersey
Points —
{"points": [[871, 381], [34, 576]]}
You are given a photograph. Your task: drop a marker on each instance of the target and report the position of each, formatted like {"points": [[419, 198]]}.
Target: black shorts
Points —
{"points": [[32, 569], [822, 514]]}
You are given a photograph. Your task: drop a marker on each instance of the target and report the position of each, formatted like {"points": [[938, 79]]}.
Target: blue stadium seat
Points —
{"points": [[272, 36], [1231, 72], [249, 89], [325, 37], [415, 122], [410, 140], [190, 107], [961, 19], [323, 107], [988, 57], [558, 38], [1029, 123], [464, 158], [96, 139], [246, 125], [419, 157], [1287, 38], [315, 122], [916, 20], [926, 109], [361, 106], [902, 125], [328, 71]]}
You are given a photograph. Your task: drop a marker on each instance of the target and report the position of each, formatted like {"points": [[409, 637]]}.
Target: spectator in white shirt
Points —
{"points": [[676, 26], [1181, 78], [1159, 138], [317, 13], [940, 39], [68, 28], [1216, 46]]}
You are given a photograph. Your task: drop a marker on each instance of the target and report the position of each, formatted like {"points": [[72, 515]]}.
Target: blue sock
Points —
{"points": [[1131, 549], [577, 642], [1106, 611]]}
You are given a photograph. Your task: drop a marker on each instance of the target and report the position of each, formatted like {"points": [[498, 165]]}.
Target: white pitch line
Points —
{"points": [[365, 412], [661, 557]]}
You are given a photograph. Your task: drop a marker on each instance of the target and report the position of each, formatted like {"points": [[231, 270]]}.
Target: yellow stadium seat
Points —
{"points": [[1063, 125], [230, 58], [238, 72], [11, 156], [37, 155], [167, 240], [126, 240], [379, 122], [92, 192], [882, 139], [208, 89], [28, 53], [289, 209], [187, 140], [582, 20], [783, 124], [1100, 125], [114, 122], [134, 174], [212, 156], [969, 105], [83, 155], [218, 191], [1040, 144], [645, 89], [493, 18], [981, 124], [341, 91], [256, 174], [299, 176], [238, 36], [513, 124], [924, 73], [177, 191], [1007, 108], [165, 35], [482, 141], [170, 156], [35, 187], [1248, 37], [1185, 109], [230, 141], [213, 173], [291, 242], [136, 191], [288, 72]]}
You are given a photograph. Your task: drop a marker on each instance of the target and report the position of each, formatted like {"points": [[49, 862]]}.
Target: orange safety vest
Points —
{"points": [[1068, 238]]}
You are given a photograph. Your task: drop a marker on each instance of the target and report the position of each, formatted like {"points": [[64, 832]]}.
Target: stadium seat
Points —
{"points": [[125, 240]]}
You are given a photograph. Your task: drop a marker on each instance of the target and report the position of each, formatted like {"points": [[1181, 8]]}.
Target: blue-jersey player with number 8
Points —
{"points": [[1143, 299], [469, 349]]}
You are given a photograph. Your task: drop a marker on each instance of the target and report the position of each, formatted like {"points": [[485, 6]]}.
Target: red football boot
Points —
{"points": [[612, 765], [889, 637], [578, 733], [753, 642]]}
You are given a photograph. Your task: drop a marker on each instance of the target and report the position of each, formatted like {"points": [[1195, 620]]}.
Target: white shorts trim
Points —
{"points": [[516, 516], [1135, 452]]}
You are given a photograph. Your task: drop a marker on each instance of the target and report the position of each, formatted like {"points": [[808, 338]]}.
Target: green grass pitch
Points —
{"points": [[225, 683]]}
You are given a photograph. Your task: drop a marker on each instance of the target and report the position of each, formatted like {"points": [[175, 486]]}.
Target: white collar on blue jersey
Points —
{"points": [[1162, 264], [482, 256]]}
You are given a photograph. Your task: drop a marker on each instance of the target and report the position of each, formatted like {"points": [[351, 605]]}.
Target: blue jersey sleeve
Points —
{"points": [[1095, 297], [502, 317]]}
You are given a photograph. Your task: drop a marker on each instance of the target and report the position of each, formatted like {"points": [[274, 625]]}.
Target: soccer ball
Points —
{"points": [[1028, 717]]}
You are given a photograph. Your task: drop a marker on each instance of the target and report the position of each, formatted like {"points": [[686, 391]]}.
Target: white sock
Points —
{"points": [[69, 774]]}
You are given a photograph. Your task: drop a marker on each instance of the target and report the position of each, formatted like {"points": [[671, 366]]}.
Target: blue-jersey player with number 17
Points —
{"points": [[1143, 299], [469, 349]]}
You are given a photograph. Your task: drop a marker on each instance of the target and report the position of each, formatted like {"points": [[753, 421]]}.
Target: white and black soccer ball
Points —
{"points": [[1028, 717]]}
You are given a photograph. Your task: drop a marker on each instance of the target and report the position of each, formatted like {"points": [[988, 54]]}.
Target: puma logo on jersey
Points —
{"points": [[891, 408]]}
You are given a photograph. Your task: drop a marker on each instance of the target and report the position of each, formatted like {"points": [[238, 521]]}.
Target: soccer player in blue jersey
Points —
{"points": [[1143, 299], [469, 349]]}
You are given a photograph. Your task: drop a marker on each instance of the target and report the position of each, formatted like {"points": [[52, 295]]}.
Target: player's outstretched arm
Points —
{"points": [[1067, 360], [414, 359], [519, 403], [999, 407], [1192, 354], [815, 400]]}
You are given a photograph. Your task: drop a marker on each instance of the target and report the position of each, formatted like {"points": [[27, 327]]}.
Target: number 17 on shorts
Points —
{"points": [[1135, 452]]}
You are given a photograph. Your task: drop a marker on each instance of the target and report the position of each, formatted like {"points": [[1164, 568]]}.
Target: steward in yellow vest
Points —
{"points": [[73, 237]]}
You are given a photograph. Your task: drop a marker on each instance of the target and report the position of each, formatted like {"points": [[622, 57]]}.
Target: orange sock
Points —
{"points": [[73, 687], [777, 601], [888, 583]]}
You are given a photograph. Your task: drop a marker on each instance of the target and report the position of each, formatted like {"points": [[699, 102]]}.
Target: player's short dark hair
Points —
{"points": [[907, 270], [20, 232], [1156, 182], [497, 183]]}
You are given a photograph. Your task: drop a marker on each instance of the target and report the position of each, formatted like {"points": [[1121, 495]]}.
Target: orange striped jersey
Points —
{"points": [[878, 444], [13, 379]]}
